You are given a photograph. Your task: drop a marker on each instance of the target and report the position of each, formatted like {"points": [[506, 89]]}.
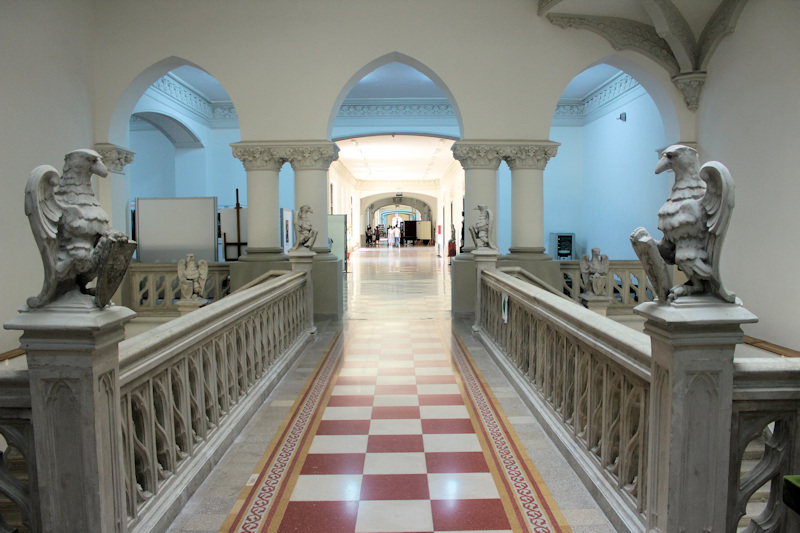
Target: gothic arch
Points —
{"points": [[384, 60]]}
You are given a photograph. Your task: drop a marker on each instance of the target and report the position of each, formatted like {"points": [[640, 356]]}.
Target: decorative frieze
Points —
{"points": [[179, 93], [396, 109], [115, 157]]}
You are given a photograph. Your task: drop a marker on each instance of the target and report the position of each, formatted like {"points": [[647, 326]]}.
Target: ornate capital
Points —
{"points": [[315, 156], [534, 156], [115, 157], [477, 155], [256, 156], [690, 85]]}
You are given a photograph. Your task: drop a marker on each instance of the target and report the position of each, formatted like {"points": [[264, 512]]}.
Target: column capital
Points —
{"points": [[477, 154], [258, 155], [311, 155], [530, 154], [115, 157]]}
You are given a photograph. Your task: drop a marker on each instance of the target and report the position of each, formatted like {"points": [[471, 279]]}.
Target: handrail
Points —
{"points": [[188, 386]]}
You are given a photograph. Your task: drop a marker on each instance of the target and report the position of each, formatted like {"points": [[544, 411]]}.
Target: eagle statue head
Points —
{"points": [[85, 162], [680, 159]]}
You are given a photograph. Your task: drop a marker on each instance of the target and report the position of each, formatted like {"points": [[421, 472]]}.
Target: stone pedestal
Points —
{"points": [[187, 306], [73, 368], [693, 341], [302, 260], [485, 259], [597, 303]]}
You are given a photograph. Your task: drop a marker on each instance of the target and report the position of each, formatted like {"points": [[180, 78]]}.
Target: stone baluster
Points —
{"points": [[693, 341], [73, 369], [263, 164]]}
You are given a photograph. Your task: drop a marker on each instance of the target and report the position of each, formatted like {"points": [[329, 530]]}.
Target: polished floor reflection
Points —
{"points": [[403, 435]]}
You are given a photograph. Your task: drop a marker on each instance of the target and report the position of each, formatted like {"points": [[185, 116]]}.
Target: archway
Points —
{"points": [[599, 188]]}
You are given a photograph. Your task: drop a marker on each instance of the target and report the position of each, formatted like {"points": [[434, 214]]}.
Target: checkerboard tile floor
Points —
{"points": [[395, 450]]}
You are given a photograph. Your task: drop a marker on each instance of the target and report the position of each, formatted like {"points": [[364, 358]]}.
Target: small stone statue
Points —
{"points": [[192, 276], [482, 230], [452, 233], [304, 232], [594, 272], [72, 231], [694, 221]]}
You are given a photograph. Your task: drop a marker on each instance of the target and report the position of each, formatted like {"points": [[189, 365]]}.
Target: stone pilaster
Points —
{"points": [[485, 259], [73, 370], [302, 261], [692, 341], [263, 162]]}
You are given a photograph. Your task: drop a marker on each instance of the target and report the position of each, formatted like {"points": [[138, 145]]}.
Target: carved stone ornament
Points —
{"points": [[483, 156], [481, 232], [313, 157], [534, 156], [594, 272], [259, 157], [690, 85], [114, 157], [694, 221], [192, 276], [305, 234], [72, 231]]}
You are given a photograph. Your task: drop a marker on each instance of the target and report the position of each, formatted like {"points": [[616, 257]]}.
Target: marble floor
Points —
{"points": [[395, 448]]}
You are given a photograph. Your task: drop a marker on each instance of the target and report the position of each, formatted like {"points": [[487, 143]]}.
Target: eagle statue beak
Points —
{"points": [[665, 163], [99, 168]]}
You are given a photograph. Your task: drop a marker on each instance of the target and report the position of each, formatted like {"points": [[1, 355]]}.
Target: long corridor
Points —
{"points": [[393, 420]]}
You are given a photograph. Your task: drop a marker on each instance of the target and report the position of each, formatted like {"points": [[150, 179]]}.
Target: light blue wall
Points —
{"points": [[152, 172], [286, 187], [601, 184], [225, 172], [503, 222]]}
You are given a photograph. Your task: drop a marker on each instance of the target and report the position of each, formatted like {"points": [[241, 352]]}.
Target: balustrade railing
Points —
{"points": [[766, 412], [154, 288], [589, 376], [19, 497], [588, 381], [627, 284], [183, 381]]}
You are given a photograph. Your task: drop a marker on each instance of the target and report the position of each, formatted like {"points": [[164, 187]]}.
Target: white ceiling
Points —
{"points": [[396, 157]]}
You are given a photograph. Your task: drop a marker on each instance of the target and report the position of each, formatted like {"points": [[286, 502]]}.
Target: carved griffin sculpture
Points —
{"points": [[482, 230], [694, 221], [72, 231]]}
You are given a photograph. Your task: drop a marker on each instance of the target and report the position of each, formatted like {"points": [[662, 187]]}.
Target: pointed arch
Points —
{"points": [[179, 134], [385, 60]]}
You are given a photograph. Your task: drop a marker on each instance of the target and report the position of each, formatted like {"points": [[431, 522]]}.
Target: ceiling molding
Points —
{"points": [[618, 91], [721, 23], [396, 107], [178, 93], [623, 34]]}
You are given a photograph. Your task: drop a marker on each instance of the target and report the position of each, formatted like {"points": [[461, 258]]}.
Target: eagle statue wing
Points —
{"points": [[181, 270], [718, 203], [202, 269], [490, 214], [584, 262], [44, 213]]}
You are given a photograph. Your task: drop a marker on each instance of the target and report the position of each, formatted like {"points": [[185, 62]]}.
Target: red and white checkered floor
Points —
{"points": [[392, 435]]}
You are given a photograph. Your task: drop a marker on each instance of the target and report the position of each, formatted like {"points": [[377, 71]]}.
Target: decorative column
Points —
{"points": [[73, 370], [693, 340], [263, 162], [311, 161], [527, 161], [480, 160]]}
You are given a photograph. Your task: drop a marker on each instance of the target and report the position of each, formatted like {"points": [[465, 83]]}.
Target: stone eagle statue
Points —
{"points": [[72, 231], [694, 221], [192, 276]]}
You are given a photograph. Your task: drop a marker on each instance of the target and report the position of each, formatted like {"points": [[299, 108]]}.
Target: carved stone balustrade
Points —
{"points": [[155, 288]]}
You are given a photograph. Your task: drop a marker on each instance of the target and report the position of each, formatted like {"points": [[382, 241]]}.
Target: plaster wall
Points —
{"points": [[748, 120], [152, 173], [46, 112], [618, 194], [563, 187]]}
